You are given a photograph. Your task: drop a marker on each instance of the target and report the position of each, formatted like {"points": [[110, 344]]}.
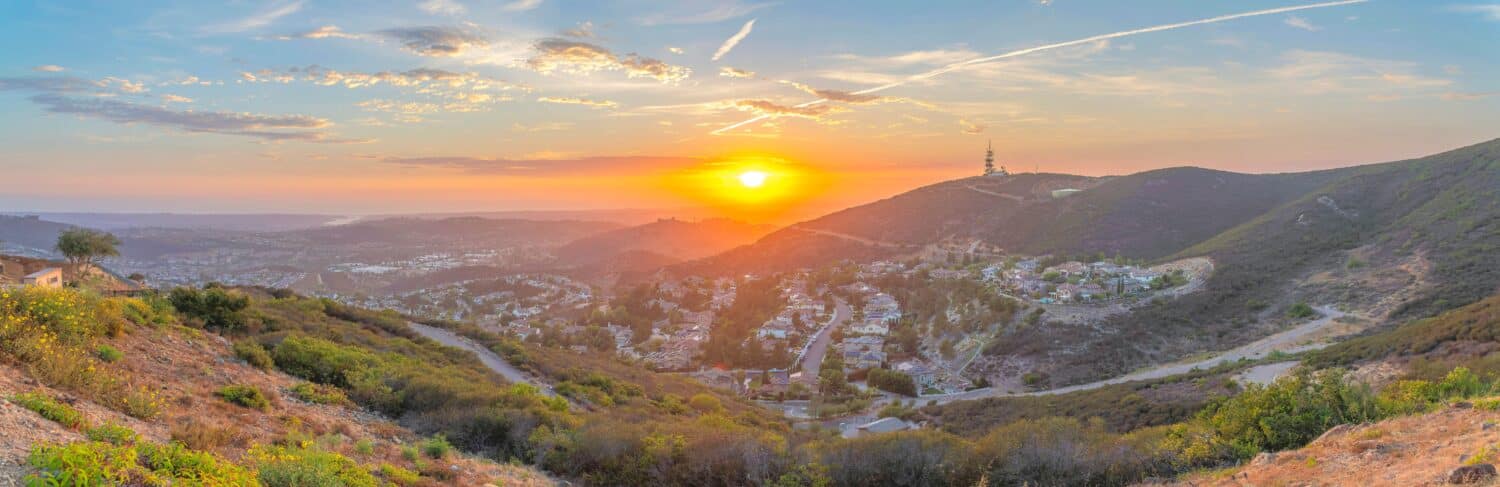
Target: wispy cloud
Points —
{"points": [[568, 100], [675, 50], [584, 30], [323, 32], [734, 40], [546, 167], [1046, 47], [521, 5], [542, 127], [568, 56], [257, 20], [436, 41], [969, 127], [1300, 23], [48, 68], [770, 109], [442, 7], [1487, 11], [729, 72], [265, 127], [695, 13], [170, 98]]}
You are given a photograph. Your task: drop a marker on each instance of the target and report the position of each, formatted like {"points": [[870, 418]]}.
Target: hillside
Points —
{"points": [[671, 238], [81, 375], [1391, 241], [30, 232], [460, 231]]}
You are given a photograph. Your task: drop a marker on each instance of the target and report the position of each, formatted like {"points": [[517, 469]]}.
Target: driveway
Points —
{"points": [[489, 358]]}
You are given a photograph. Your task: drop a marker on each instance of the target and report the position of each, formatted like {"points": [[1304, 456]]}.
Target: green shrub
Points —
{"points": [[108, 354], [892, 381], [245, 395], [101, 463], [364, 447], [705, 403], [49, 408], [252, 353], [437, 447], [112, 433], [1289, 412], [319, 393], [399, 476], [216, 307], [1301, 311], [309, 467]]}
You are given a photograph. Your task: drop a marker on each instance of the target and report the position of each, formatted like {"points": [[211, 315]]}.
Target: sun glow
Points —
{"points": [[753, 179]]}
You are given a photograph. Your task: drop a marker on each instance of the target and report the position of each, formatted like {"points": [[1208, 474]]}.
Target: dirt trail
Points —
{"points": [[1285, 341], [490, 359]]}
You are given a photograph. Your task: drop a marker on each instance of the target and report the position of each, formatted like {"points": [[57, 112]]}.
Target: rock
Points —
{"points": [[1470, 474], [1463, 405], [1487, 426], [1265, 458]]}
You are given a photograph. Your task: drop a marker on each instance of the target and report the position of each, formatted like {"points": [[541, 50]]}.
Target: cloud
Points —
{"points": [[546, 167], [324, 32], [563, 55], [1488, 12], [1320, 72], [729, 72], [584, 30], [971, 128], [675, 50], [839, 96], [1457, 96], [260, 19], [436, 41], [1301, 23], [49, 68], [265, 127], [442, 7], [578, 101], [769, 109], [931, 57], [1046, 47], [734, 40], [521, 5], [542, 127], [124, 85], [170, 98], [718, 11]]}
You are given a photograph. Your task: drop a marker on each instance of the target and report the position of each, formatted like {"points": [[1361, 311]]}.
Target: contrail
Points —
{"points": [[1029, 50], [734, 40]]}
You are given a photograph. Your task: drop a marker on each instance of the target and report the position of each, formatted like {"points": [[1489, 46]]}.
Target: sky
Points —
{"points": [[324, 106]]}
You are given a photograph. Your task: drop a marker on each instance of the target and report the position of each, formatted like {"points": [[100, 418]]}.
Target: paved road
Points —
{"points": [[489, 358], [852, 238], [813, 359], [1258, 349]]}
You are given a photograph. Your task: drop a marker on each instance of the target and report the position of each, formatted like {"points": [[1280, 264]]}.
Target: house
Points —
{"points": [[924, 375], [871, 327], [1069, 269], [49, 277], [1090, 291], [862, 343], [1067, 292], [863, 360]]}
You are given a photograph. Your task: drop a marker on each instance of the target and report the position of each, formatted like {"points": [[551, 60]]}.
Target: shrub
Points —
{"points": [[1300, 311], [364, 447], [437, 447], [111, 433], [216, 307], [308, 467], [705, 403], [245, 395], [200, 435], [892, 381], [399, 476], [49, 408], [101, 463], [108, 354], [252, 353], [1289, 412], [319, 393]]}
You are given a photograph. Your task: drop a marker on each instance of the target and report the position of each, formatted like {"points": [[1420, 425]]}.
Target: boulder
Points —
{"points": [[1470, 474]]}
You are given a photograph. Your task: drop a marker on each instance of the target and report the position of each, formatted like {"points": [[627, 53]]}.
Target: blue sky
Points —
{"points": [[423, 105]]}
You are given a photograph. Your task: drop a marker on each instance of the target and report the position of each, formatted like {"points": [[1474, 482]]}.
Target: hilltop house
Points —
{"points": [[48, 277]]}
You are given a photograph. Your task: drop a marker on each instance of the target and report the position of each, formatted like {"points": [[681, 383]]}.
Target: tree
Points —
{"points": [[892, 381], [84, 247]]}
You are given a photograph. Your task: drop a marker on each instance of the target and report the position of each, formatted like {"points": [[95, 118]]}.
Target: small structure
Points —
{"points": [[989, 162], [49, 277], [882, 425]]}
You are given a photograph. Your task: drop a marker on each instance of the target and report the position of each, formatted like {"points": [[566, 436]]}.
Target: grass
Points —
{"points": [[112, 433], [103, 463], [245, 395], [437, 447], [50, 408], [319, 394], [109, 354]]}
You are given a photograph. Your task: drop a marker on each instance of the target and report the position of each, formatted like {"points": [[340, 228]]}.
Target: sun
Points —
{"points": [[753, 179]]}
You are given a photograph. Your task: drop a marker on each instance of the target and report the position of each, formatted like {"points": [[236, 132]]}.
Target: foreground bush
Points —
{"points": [[101, 463], [308, 467], [252, 353]]}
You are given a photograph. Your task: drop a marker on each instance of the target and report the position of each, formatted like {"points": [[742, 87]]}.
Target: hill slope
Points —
{"points": [[677, 239], [1440, 212]]}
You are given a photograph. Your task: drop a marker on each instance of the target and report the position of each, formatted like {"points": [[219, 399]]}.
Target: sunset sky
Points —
{"points": [[324, 106]]}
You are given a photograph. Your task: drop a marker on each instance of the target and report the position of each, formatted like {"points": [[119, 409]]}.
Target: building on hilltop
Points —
{"points": [[989, 162]]}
